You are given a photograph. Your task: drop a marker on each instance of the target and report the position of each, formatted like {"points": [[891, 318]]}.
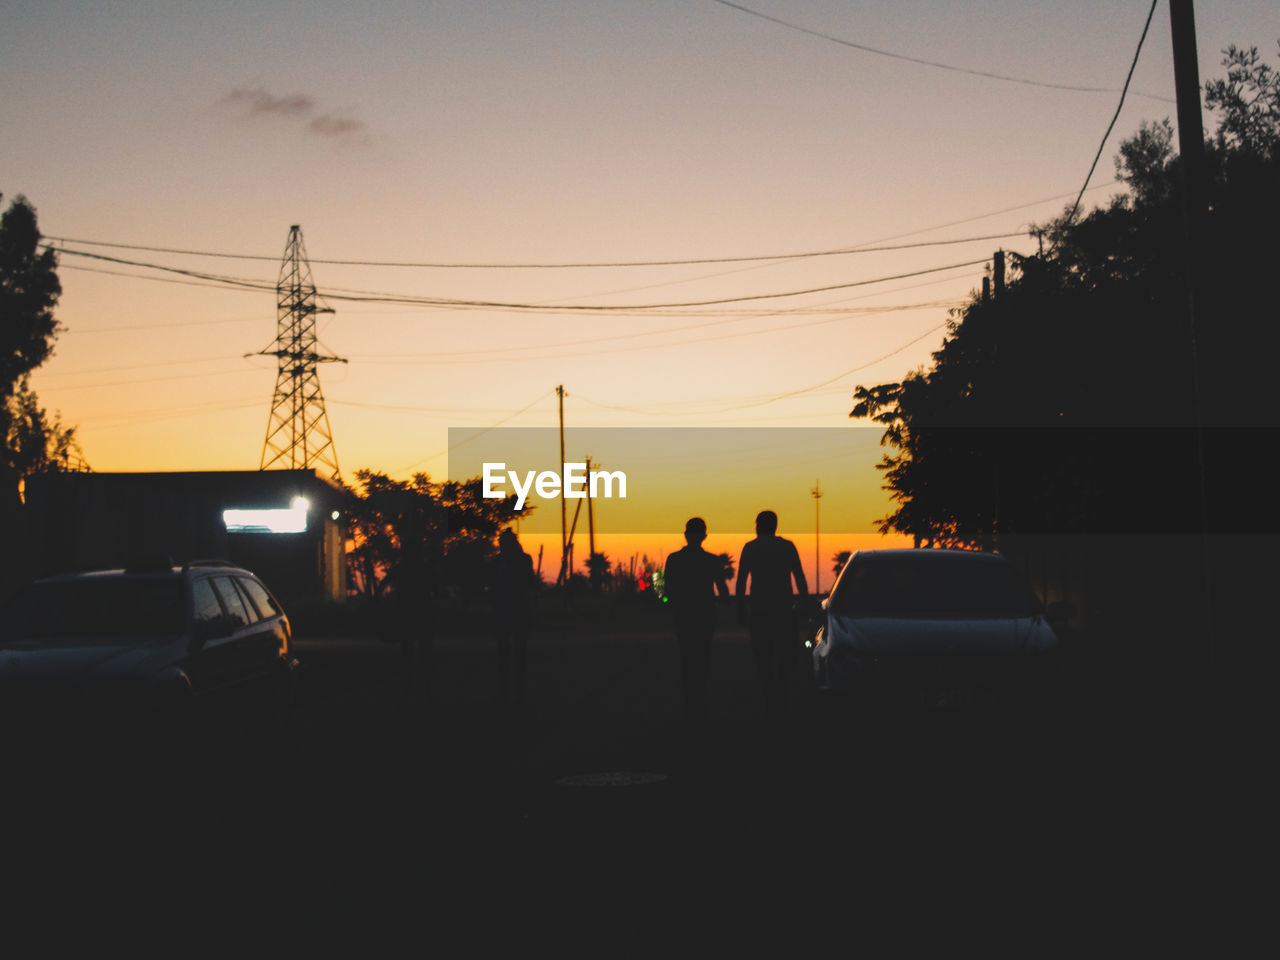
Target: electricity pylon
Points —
{"points": [[298, 436]]}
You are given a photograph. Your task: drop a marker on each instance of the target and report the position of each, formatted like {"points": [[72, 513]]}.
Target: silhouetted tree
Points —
{"points": [[726, 564], [447, 532], [384, 516], [29, 291], [839, 560], [35, 441], [598, 569], [1078, 401], [1249, 100], [1091, 334]]}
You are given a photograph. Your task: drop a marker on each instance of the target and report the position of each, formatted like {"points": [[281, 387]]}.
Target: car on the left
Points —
{"points": [[158, 650]]}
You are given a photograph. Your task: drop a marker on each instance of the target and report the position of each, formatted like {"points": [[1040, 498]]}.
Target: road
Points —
{"points": [[593, 820], [590, 811]]}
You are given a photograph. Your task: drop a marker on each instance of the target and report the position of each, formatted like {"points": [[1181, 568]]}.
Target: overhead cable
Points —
{"points": [[1116, 116], [920, 60], [691, 261], [507, 305]]}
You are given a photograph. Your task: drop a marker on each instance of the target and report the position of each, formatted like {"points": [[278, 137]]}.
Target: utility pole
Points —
{"points": [[564, 537], [1186, 81], [817, 554], [591, 522], [577, 511], [298, 435]]}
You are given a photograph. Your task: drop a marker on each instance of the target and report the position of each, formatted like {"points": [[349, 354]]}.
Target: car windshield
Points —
{"points": [[933, 584], [105, 610]]}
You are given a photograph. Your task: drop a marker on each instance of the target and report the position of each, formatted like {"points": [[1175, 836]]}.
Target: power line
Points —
{"points": [[476, 436], [130, 383], [245, 282], [45, 374], [842, 313], [134, 276], [373, 297], [774, 296], [993, 213], [840, 251], [1116, 115], [128, 419], [841, 376], [920, 60], [869, 246], [410, 408], [488, 358], [766, 399], [489, 354], [162, 326]]}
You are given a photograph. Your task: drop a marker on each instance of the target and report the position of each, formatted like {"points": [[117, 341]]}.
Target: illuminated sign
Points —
{"points": [[290, 520]]}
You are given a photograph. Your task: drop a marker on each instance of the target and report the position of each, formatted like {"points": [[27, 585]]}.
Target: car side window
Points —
{"points": [[261, 599], [251, 611], [207, 612], [237, 613]]}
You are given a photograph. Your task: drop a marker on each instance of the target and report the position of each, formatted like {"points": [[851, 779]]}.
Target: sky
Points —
{"points": [[504, 135]]}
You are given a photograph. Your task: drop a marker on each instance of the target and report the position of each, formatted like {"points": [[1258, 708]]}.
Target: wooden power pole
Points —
{"points": [[1195, 211], [817, 556], [564, 536]]}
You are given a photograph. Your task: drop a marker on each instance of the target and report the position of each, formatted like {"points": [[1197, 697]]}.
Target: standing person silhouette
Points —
{"points": [[691, 580], [770, 562], [513, 604]]}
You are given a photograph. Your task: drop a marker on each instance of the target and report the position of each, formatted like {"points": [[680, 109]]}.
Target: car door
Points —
{"points": [[244, 665], [264, 640], [270, 612], [211, 664]]}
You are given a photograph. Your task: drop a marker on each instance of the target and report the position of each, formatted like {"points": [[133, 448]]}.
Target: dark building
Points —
{"points": [[285, 525]]}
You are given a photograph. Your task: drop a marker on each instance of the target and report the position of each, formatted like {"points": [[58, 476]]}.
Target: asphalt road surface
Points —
{"points": [[594, 818], [414, 818]]}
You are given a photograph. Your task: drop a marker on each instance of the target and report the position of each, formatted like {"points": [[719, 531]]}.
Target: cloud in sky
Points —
{"points": [[334, 126], [295, 106]]}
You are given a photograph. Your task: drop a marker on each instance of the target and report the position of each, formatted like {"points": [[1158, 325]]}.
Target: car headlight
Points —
{"points": [[816, 640]]}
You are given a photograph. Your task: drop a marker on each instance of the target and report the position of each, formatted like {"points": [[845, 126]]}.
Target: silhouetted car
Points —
{"points": [[156, 650], [935, 628]]}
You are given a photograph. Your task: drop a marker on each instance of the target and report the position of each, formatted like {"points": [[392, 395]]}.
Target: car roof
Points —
{"points": [[147, 570], [890, 553]]}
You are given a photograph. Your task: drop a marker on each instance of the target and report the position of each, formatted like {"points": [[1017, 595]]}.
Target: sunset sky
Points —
{"points": [[511, 135]]}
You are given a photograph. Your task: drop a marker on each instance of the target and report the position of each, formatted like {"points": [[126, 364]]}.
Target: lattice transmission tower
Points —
{"points": [[298, 435]]}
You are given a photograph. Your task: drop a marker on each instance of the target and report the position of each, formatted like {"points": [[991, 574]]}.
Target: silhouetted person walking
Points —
{"points": [[513, 605], [692, 579], [770, 563]]}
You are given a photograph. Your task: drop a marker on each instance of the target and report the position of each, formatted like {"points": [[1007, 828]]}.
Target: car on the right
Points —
{"points": [[956, 630]]}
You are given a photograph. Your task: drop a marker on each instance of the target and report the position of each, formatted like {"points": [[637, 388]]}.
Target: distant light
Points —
{"points": [[335, 515], [292, 520]]}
